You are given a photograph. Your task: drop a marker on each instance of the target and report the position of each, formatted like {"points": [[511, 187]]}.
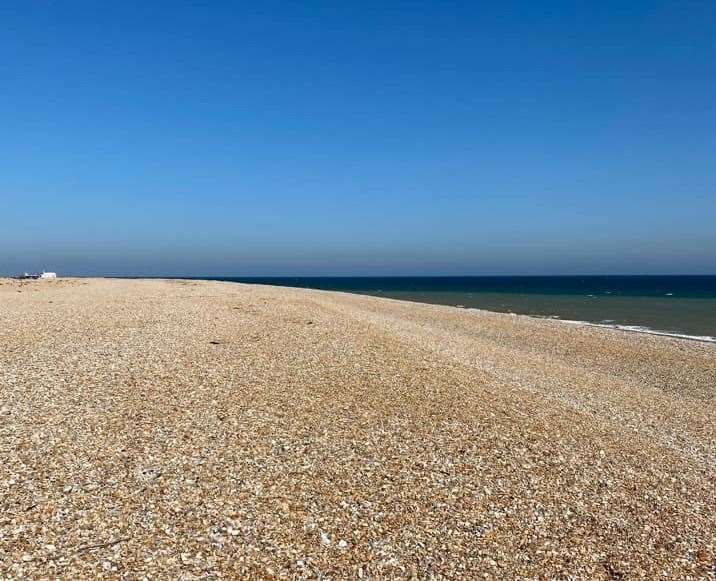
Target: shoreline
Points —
{"points": [[638, 329], [614, 326], [641, 330]]}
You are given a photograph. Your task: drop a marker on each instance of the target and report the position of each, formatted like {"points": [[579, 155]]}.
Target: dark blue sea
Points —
{"points": [[682, 305]]}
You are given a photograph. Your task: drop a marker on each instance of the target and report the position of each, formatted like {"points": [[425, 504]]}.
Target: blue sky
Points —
{"points": [[297, 138]]}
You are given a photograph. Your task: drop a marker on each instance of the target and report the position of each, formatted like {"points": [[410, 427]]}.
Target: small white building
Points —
{"points": [[48, 274]]}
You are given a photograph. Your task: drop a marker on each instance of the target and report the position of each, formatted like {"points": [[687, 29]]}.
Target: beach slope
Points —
{"points": [[187, 429]]}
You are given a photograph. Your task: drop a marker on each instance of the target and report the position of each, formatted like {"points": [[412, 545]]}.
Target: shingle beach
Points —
{"points": [[199, 430]]}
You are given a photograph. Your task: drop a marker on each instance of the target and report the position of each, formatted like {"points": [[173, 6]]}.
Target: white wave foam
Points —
{"points": [[640, 329]]}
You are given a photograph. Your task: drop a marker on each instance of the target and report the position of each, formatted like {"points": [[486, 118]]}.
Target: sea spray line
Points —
{"points": [[640, 329]]}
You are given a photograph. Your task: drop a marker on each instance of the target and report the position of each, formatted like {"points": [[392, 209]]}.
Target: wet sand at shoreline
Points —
{"points": [[187, 429]]}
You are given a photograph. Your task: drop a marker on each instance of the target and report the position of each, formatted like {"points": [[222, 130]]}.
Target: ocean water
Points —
{"points": [[679, 305]]}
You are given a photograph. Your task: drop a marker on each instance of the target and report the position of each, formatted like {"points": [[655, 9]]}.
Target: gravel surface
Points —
{"points": [[185, 429]]}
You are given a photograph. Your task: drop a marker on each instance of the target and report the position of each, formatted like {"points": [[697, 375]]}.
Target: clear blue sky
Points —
{"points": [[358, 137]]}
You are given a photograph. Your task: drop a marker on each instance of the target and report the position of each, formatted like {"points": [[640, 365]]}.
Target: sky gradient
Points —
{"points": [[407, 138]]}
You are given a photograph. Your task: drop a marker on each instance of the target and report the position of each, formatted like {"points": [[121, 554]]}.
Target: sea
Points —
{"points": [[683, 306]]}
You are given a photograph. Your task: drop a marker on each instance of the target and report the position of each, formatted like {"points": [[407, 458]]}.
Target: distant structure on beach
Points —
{"points": [[44, 274]]}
